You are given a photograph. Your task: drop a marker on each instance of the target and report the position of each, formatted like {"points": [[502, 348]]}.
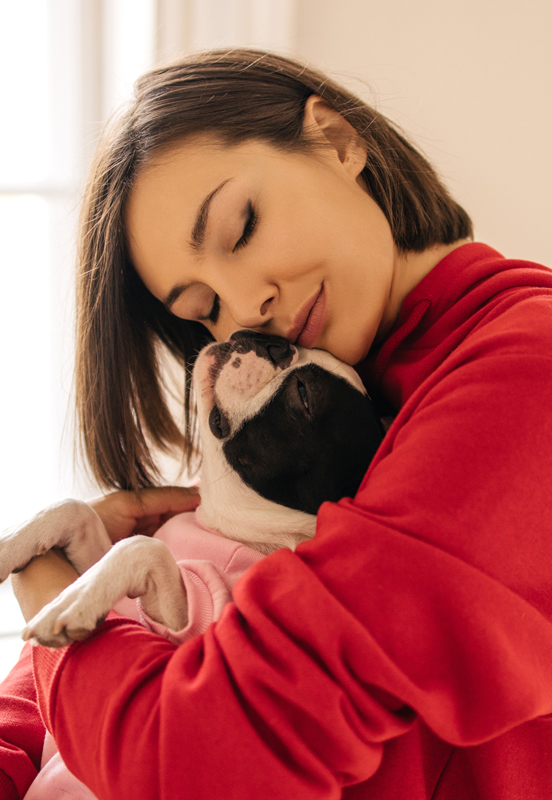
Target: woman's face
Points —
{"points": [[247, 236]]}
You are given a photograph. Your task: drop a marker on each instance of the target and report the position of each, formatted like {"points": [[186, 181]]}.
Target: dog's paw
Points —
{"points": [[68, 618], [16, 552], [70, 525]]}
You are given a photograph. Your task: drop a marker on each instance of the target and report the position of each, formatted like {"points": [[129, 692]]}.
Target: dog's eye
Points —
{"points": [[218, 423], [303, 394]]}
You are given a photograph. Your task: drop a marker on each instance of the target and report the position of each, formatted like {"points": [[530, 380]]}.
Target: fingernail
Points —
{"points": [[193, 489]]}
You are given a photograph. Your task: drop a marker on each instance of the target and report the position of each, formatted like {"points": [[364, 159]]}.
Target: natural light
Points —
{"points": [[75, 63]]}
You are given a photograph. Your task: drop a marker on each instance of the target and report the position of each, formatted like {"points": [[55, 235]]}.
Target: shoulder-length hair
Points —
{"points": [[237, 95]]}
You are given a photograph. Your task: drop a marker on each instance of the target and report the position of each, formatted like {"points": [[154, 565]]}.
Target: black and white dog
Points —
{"points": [[282, 429]]}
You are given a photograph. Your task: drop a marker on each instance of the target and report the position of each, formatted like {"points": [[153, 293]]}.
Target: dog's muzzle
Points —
{"points": [[275, 349]]}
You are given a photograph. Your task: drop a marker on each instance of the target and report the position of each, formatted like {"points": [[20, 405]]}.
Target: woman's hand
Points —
{"points": [[129, 513], [41, 581]]}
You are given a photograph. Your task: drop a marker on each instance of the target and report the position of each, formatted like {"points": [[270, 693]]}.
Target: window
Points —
{"points": [[64, 66]]}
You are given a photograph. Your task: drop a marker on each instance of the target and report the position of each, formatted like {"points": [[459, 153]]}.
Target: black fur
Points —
{"points": [[313, 441]]}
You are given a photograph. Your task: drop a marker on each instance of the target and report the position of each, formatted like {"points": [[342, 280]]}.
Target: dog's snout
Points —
{"points": [[279, 354], [275, 349], [244, 334]]}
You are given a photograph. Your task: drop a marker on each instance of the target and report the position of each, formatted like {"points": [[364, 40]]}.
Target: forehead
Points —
{"points": [[168, 193], [192, 169]]}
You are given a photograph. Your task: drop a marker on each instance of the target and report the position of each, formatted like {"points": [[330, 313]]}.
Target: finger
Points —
{"points": [[27, 633], [77, 634], [167, 500], [144, 502]]}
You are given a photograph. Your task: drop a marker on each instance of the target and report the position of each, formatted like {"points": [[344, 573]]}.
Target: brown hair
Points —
{"points": [[236, 95]]}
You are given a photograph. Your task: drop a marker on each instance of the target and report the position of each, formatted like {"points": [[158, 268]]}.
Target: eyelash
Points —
{"points": [[249, 228], [215, 310]]}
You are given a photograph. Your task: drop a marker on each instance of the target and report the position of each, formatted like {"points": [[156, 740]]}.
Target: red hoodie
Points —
{"points": [[406, 652]]}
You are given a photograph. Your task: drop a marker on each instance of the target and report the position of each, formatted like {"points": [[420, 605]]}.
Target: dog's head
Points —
{"points": [[283, 429]]}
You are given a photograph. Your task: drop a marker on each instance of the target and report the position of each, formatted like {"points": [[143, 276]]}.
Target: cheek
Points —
{"points": [[355, 313], [349, 339], [224, 327]]}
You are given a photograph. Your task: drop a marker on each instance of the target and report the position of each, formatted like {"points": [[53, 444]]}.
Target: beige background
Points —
{"points": [[471, 82]]}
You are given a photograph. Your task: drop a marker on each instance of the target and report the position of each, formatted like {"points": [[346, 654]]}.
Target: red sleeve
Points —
{"points": [[21, 730], [428, 594]]}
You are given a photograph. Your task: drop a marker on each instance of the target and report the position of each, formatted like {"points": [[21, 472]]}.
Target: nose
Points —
{"points": [[248, 307], [275, 349]]}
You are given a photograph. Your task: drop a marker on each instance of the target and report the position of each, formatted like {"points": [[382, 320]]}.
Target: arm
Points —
{"points": [[427, 594], [21, 726], [178, 599], [21, 730], [42, 580]]}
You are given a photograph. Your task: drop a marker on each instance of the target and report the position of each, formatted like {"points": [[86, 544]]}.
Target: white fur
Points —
{"points": [[71, 525]]}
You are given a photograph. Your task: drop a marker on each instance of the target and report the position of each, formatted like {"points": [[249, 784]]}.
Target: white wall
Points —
{"points": [[470, 82]]}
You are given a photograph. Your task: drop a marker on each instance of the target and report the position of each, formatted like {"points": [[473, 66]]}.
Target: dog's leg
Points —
{"points": [[71, 525], [137, 567]]}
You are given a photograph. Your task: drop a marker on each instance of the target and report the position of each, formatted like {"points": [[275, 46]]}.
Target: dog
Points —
{"points": [[283, 429]]}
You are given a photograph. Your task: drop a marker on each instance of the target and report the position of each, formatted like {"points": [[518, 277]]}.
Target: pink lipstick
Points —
{"points": [[301, 318], [316, 317]]}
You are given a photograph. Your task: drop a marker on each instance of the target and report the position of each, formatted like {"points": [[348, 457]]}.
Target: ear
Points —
{"points": [[322, 122]]}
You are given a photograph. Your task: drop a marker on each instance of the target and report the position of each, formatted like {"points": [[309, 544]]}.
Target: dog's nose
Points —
{"points": [[246, 334], [275, 349], [279, 353]]}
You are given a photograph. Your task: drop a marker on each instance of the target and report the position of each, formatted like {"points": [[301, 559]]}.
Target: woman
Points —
{"points": [[407, 650]]}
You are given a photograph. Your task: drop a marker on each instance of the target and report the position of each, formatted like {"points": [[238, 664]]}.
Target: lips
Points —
{"points": [[313, 320]]}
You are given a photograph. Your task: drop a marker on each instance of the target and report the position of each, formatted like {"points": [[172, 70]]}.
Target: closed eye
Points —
{"points": [[197, 302], [303, 395], [215, 310], [249, 227]]}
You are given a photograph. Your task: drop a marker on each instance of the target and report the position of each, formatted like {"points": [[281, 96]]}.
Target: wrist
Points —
{"points": [[43, 579]]}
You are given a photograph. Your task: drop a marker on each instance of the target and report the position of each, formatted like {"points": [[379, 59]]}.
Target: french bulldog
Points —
{"points": [[283, 429]]}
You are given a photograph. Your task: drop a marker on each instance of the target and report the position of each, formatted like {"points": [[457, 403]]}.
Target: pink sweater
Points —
{"points": [[209, 566]]}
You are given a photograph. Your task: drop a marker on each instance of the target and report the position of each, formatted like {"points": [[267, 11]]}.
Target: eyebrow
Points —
{"points": [[198, 231], [196, 241]]}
